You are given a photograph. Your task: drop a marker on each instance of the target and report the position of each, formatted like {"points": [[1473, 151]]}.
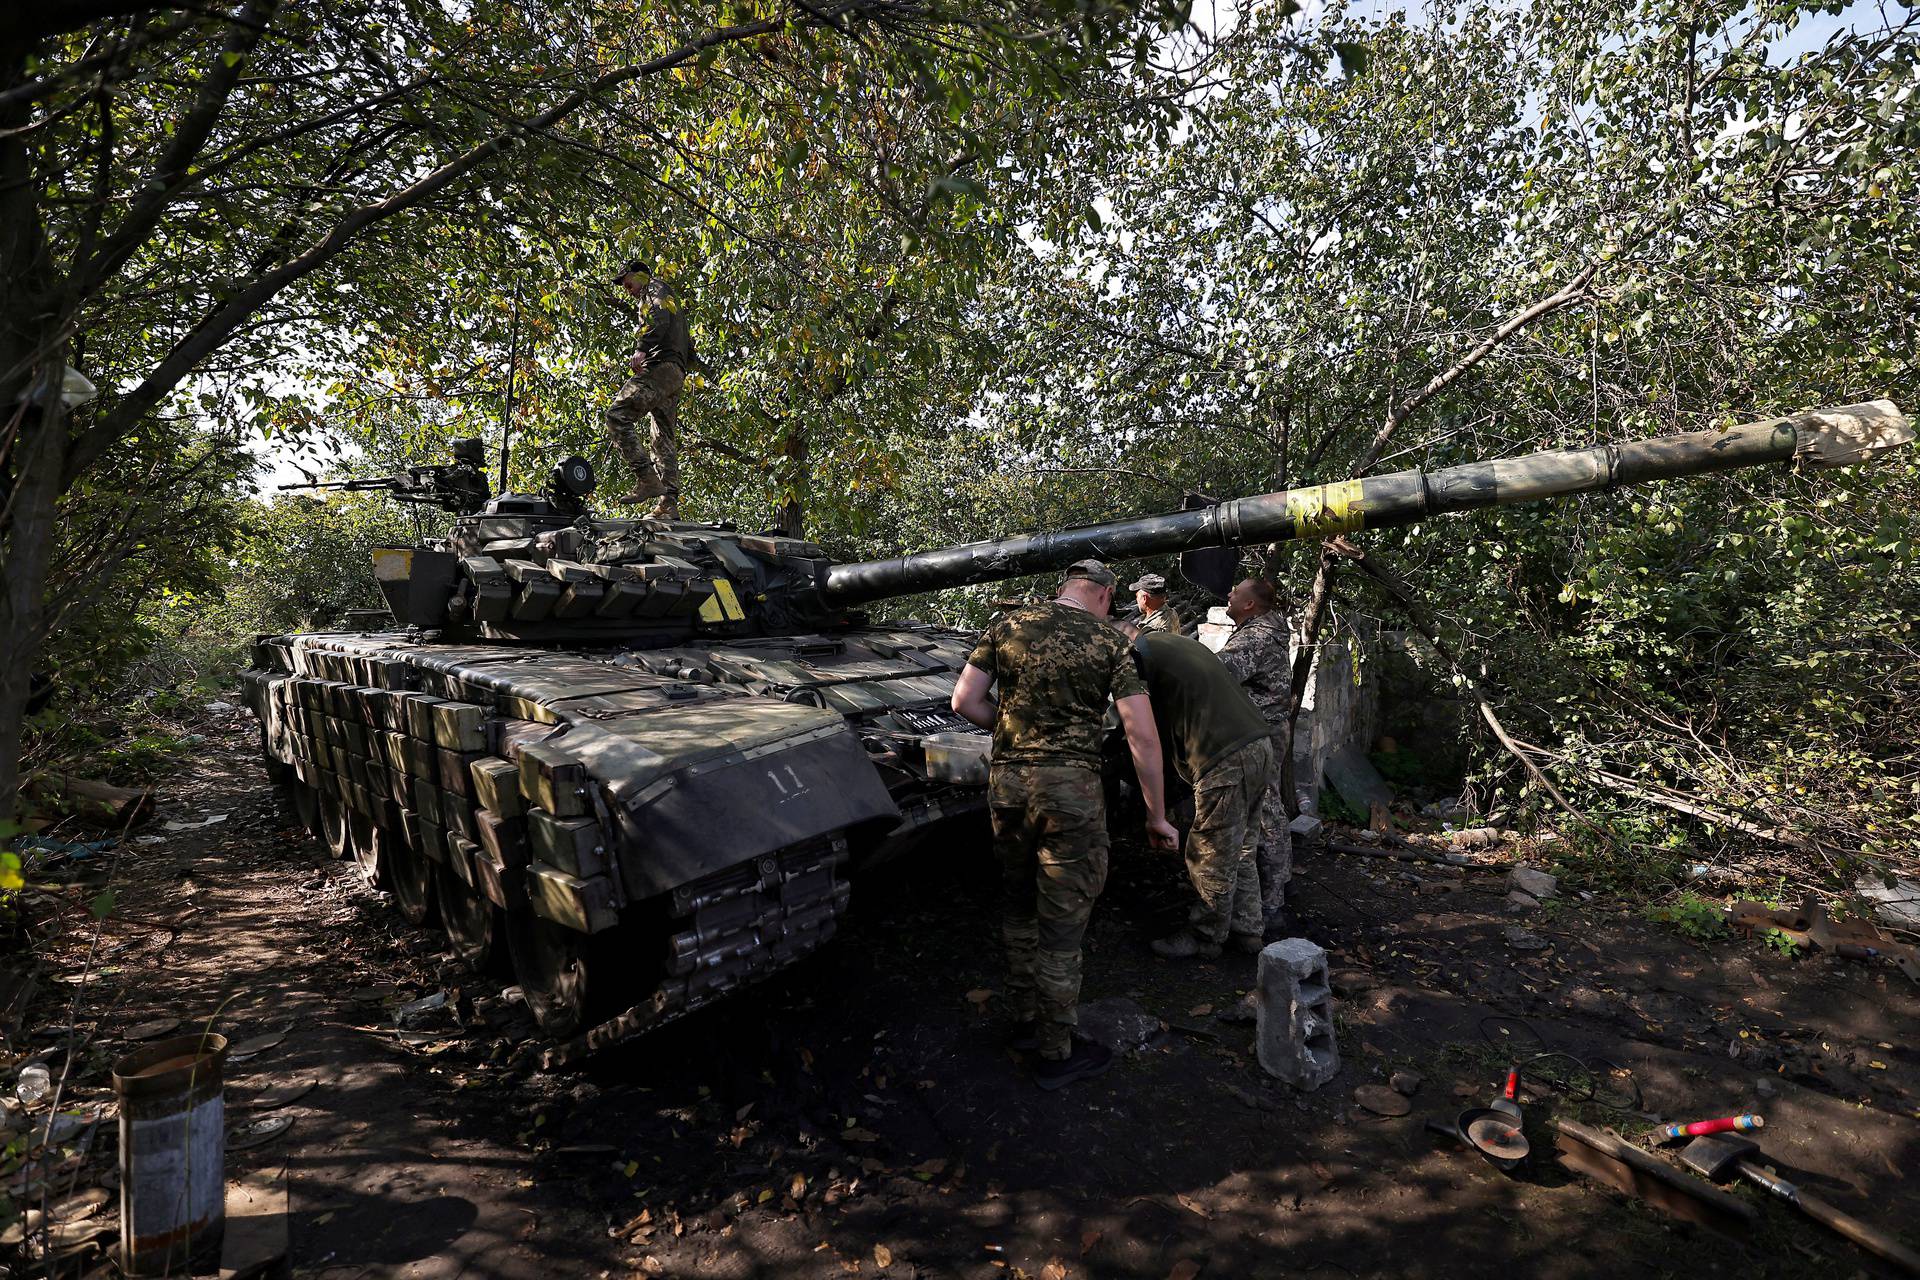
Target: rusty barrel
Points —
{"points": [[172, 1152]]}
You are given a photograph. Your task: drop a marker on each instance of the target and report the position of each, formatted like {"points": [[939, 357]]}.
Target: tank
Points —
{"points": [[638, 764]]}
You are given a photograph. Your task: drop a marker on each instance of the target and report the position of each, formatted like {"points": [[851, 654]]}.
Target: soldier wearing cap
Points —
{"points": [[1259, 653], [1221, 748], [663, 352], [1150, 594], [1057, 666]]}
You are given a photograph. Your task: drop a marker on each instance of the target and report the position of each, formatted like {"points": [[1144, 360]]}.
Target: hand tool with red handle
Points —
{"points": [[1700, 1128]]}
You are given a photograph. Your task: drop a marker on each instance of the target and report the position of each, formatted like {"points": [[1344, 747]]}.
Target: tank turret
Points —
{"points": [[642, 757]]}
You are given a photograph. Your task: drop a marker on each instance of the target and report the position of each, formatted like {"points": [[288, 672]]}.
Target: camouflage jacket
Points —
{"points": [[1165, 618], [663, 336], [1056, 666], [1258, 655]]}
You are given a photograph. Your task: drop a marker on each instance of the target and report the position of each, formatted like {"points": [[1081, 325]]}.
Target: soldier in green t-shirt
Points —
{"points": [[1057, 665], [1222, 749]]}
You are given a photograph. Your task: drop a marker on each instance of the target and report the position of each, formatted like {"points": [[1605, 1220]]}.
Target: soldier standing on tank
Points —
{"points": [[663, 352], [1221, 747], [1057, 665], [1150, 595], [1259, 653]]}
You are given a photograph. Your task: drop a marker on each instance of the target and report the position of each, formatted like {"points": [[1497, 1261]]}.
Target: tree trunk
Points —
{"points": [[32, 439], [793, 511], [1315, 614]]}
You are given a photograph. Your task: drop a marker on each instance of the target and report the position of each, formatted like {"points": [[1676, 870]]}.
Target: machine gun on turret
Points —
{"points": [[459, 486]]}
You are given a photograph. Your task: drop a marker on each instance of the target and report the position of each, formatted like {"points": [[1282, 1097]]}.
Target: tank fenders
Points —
{"points": [[637, 760]]}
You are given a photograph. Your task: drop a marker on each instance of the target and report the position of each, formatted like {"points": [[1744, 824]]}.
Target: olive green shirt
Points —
{"points": [[1203, 713], [663, 337], [1056, 667], [1165, 618]]}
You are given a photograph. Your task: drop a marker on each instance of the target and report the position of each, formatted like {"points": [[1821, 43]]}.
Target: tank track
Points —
{"points": [[729, 930]]}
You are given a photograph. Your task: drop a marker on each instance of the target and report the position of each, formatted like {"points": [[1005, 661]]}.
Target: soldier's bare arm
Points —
{"points": [[1143, 740], [970, 697]]}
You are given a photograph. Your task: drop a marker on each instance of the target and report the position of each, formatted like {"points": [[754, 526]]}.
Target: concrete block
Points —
{"points": [[1294, 1023], [1305, 827]]}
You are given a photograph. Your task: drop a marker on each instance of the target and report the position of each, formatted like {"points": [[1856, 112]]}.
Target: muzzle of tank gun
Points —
{"points": [[1819, 439]]}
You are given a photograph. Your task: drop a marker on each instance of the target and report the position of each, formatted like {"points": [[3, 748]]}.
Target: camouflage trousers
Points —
{"points": [[653, 394], [1220, 848], [1050, 836], [1275, 855]]}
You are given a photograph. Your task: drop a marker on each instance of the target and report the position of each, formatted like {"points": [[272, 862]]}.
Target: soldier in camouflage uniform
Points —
{"points": [[1150, 596], [663, 352], [1259, 655], [1222, 748], [1057, 665]]}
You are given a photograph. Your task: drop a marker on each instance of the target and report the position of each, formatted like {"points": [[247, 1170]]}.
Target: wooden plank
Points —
{"points": [[255, 1242]]}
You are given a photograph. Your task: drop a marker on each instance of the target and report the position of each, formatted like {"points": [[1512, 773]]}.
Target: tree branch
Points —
{"points": [[1567, 293], [214, 329], [173, 170]]}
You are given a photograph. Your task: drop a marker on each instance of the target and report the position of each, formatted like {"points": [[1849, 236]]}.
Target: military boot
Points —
{"points": [[1247, 944], [1186, 945]]}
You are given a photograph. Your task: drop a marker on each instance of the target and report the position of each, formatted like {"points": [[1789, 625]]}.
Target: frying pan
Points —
{"points": [[1494, 1130]]}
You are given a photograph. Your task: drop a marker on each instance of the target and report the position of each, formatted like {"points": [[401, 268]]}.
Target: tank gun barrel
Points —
{"points": [[1820, 438]]}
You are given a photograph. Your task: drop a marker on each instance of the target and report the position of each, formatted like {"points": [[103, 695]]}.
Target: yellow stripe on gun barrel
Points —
{"points": [[1326, 509]]}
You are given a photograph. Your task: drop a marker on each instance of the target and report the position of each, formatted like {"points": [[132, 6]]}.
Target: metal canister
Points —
{"points": [[172, 1152]]}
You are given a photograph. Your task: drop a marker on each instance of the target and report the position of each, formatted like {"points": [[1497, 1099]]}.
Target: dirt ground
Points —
{"points": [[858, 1115]]}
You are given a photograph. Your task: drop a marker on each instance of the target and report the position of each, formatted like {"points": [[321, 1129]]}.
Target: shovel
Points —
{"points": [[1494, 1130], [1723, 1158]]}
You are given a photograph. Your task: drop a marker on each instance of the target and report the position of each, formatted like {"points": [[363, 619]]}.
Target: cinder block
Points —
{"points": [[1294, 1026]]}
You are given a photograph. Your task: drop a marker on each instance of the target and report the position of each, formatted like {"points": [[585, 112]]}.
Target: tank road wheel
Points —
{"points": [[409, 878], [370, 850], [468, 918], [306, 807], [552, 965], [334, 831]]}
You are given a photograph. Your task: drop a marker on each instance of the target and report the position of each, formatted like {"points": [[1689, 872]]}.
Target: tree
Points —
{"points": [[235, 190], [1380, 243]]}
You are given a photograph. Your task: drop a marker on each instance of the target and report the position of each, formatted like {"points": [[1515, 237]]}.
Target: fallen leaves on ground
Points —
{"points": [[1185, 1269], [882, 1256], [1193, 1206]]}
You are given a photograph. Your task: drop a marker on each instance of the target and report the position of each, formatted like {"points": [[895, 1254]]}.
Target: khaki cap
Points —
{"points": [[1092, 570]]}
